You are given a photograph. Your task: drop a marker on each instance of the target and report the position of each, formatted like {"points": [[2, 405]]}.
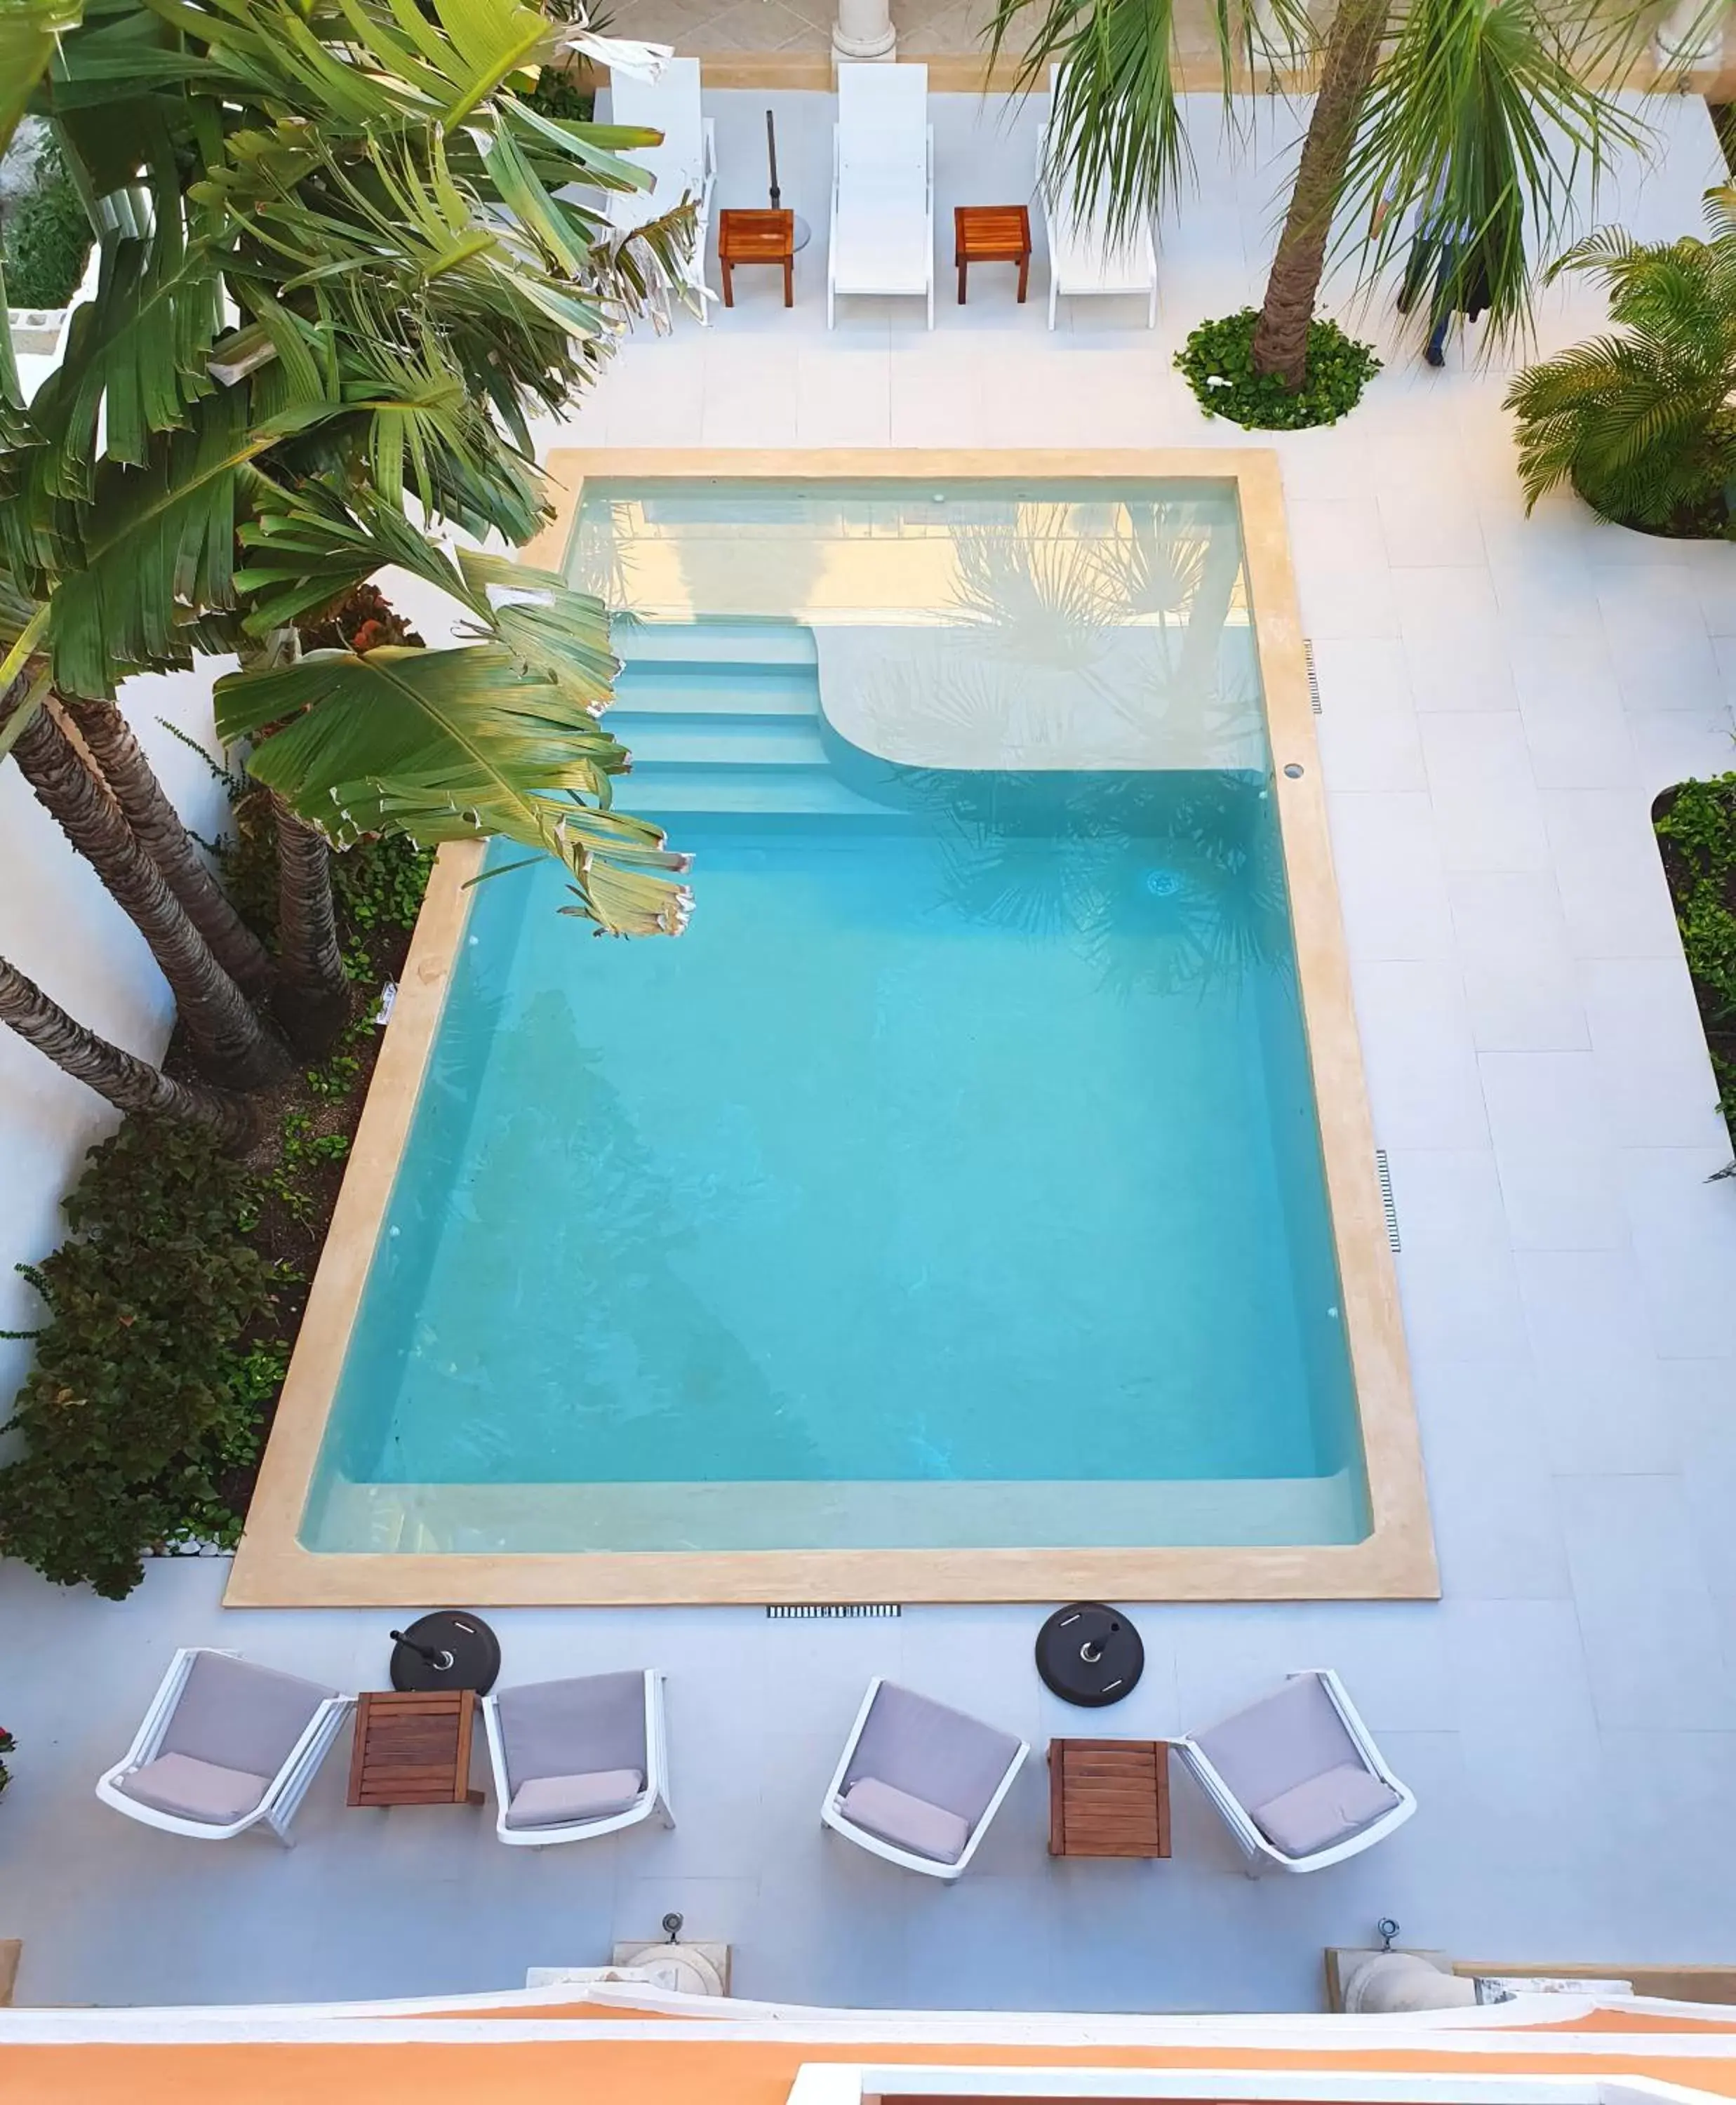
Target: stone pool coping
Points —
{"points": [[1395, 1561]]}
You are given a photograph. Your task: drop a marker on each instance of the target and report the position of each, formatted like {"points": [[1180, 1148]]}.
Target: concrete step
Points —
{"points": [[704, 741], [713, 642], [656, 788], [698, 687]]}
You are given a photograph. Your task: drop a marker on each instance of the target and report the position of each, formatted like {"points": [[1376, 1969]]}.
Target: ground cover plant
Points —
{"points": [[1695, 823], [1218, 361], [47, 237]]}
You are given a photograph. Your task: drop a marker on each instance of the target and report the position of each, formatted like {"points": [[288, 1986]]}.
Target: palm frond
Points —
{"points": [[452, 744], [1481, 115]]}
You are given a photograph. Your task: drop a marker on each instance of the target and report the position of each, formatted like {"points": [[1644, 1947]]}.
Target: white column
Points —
{"points": [[1690, 36], [863, 30]]}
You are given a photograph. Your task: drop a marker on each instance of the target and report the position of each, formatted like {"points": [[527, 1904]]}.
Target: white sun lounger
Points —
{"points": [[685, 165], [1298, 1778], [883, 187], [1084, 259], [225, 1745], [917, 1783]]}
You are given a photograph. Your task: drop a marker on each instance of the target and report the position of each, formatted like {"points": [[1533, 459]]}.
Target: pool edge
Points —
{"points": [[1395, 1561]]}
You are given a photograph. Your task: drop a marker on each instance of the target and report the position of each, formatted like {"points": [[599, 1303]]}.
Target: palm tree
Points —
{"points": [[1478, 109], [128, 1083], [109, 739], [224, 1030], [1641, 424], [359, 189]]}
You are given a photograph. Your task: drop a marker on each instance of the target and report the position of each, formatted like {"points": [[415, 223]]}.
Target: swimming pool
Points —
{"points": [[955, 1183]]}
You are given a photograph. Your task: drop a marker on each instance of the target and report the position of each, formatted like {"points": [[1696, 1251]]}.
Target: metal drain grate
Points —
{"points": [[1313, 676], [1385, 1175], [808, 1612]]}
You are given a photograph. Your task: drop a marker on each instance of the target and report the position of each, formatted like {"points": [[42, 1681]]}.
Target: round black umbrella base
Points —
{"points": [[449, 1649], [1089, 1655]]}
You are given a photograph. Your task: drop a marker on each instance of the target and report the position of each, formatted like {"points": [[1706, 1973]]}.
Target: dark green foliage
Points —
{"points": [[8, 1744], [1696, 826], [556, 94], [47, 238], [379, 883], [142, 1399], [1218, 360]]}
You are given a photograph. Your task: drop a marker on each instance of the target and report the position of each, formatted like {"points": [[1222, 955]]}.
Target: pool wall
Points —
{"points": [[1395, 1560]]}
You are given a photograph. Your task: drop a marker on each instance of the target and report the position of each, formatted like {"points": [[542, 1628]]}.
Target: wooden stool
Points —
{"points": [[757, 237], [414, 1750], [992, 234], [1108, 1798]]}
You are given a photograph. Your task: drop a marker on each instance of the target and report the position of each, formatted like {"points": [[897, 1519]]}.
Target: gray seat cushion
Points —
{"points": [[1270, 1748], [912, 1823], [194, 1790], [1327, 1809], [577, 1727], [937, 1755], [554, 1801], [239, 1716]]}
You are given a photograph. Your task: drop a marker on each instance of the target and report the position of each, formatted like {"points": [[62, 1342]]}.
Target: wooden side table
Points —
{"points": [[414, 1750], [756, 237], [1108, 1798], [992, 234]]}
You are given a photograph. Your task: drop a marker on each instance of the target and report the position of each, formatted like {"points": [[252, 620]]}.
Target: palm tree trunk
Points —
{"points": [[230, 1042], [129, 1084], [1353, 46], [109, 735], [313, 990]]}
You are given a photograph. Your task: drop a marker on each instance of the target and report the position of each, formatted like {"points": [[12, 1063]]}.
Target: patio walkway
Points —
{"points": [[1502, 698]]}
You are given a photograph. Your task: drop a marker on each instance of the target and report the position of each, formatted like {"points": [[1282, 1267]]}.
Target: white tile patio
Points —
{"points": [[1502, 700]]}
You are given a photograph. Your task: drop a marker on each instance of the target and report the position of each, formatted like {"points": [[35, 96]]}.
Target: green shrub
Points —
{"points": [[1218, 361], [8, 1745], [557, 95], [143, 1398], [1639, 422], [47, 238], [1697, 829]]}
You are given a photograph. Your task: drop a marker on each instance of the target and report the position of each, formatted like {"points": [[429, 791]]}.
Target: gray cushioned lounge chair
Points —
{"points": [[576, 1758], [1297, 1777], [918, 1784], [225, 1745]]}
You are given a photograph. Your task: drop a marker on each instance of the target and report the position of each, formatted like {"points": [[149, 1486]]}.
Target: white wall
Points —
{"points": [[59, 925]]}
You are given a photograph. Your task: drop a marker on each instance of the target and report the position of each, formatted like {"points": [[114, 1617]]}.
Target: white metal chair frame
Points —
{"points": [[655, 204], [653, 1799], [1138, 240], [283, 1794], [868, 292], [1260, 1850], [833, 1815]]}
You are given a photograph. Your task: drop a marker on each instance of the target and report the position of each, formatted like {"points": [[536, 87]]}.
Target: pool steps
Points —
{"points": [[725, 717]]}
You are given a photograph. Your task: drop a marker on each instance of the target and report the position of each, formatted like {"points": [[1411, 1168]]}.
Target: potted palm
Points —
{"points": [[1640, 422]]}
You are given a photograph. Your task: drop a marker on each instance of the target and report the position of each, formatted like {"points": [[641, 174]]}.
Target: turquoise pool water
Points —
{"points": [[953, 1180]]}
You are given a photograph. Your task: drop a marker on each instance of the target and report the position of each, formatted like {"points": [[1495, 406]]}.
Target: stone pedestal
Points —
{"points": [[863, 30]]}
